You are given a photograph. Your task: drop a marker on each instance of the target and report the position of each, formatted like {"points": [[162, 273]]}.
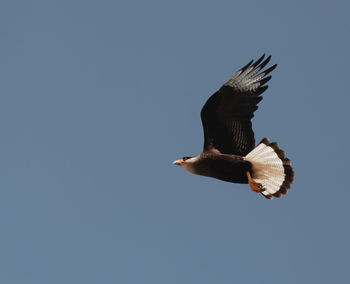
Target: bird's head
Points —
{"points": [[188, 163], [181, 162]]}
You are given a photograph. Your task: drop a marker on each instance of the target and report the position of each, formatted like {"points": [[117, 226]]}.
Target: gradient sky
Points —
{"points": [[99, 97]]}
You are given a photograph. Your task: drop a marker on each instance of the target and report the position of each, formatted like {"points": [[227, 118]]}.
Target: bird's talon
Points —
{"points": [[255, 187]]}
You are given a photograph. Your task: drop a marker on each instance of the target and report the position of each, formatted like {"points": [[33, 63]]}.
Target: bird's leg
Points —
{"points": [[256, 187]]}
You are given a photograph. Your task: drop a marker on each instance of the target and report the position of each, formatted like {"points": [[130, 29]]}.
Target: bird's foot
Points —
{"points": [[256, 187]]}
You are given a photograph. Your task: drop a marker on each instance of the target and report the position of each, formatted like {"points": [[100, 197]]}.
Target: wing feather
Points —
{"points": [[227, 114]]}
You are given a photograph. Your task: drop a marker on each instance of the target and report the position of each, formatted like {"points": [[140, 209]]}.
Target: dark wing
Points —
{"points": [[227, 114]]}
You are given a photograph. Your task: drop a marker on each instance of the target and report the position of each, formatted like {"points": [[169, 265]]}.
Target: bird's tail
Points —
{"points": [[271, 169]]}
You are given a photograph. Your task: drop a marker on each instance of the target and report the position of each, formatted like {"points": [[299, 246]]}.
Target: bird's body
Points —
{"points": [[225, 167], [229, 151]]}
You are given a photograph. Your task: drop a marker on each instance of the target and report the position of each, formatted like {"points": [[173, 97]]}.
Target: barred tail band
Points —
{"points": [[271, 169]]}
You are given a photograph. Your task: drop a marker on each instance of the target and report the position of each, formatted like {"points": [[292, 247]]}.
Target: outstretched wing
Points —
{"points": [[226, 116]]}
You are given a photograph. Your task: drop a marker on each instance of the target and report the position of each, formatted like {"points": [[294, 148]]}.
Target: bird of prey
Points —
{"points": [[229, 152]]}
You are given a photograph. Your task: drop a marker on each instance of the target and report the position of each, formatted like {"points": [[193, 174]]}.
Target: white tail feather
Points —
{"points": [[267, 168]]}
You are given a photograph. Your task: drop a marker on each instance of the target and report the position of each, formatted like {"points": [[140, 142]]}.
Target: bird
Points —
{"points": [[229, 152]]}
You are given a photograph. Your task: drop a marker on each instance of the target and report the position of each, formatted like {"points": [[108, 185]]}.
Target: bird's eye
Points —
{"points": [[186, 158]]}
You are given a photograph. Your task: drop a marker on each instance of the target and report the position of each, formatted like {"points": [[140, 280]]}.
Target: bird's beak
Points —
{"points": [[178, 162]]}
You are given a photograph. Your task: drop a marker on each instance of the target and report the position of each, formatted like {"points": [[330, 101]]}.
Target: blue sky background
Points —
{"points": [[99, 97]]}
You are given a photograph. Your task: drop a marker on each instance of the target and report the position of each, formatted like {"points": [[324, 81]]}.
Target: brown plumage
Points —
{"points": [[229, 151]]}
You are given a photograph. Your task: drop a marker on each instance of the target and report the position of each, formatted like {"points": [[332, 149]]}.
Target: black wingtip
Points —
{"points": [[259, 60], [246, 66], [265, 80], [266, 61], [267, 71]]}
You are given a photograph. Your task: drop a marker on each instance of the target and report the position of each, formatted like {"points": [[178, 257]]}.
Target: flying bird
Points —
{"points": [[229, 151]]}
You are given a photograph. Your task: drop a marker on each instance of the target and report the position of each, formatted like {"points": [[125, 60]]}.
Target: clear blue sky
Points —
{"points": [[99, 97]]}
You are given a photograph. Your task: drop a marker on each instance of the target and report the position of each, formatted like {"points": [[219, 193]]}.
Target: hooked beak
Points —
{"points": [[178, 162]]}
